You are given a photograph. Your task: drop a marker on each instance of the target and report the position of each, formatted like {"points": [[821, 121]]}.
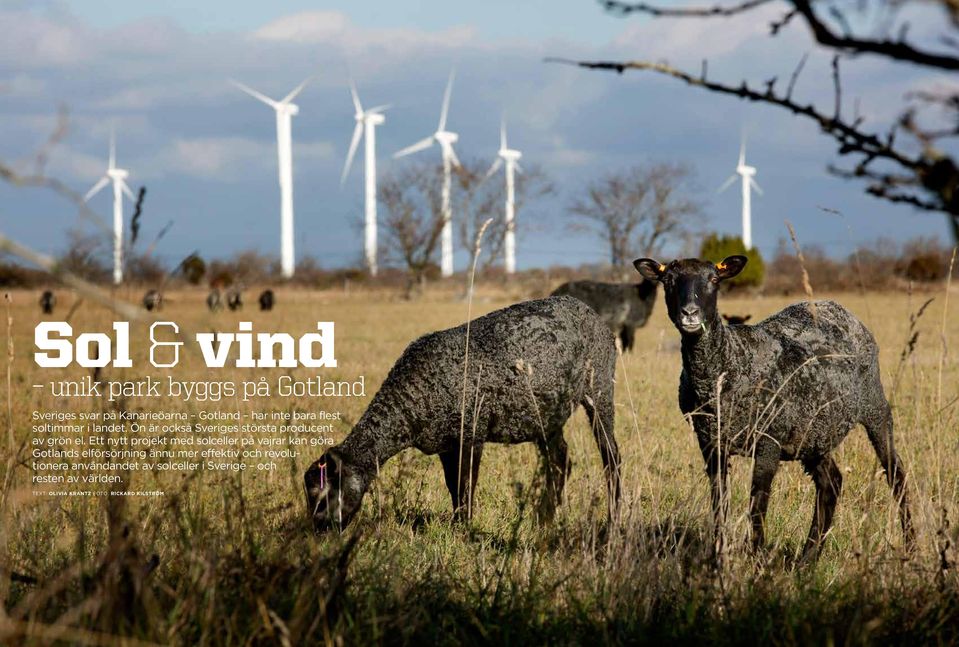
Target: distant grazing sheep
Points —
{"points": [[234, 299], [529, 367], [623, 306], [48, 301], [152, 300], [792, 387], [214, 300], [267, 300], [737, 320]]}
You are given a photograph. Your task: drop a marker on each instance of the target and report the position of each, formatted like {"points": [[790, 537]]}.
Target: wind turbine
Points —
{"points": [[747, 173], [445, 139], [510, 158], [120, 188], [366, 123], [284, 149]]}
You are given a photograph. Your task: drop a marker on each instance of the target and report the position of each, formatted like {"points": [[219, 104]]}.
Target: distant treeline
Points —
{"points": [[881, 265]]}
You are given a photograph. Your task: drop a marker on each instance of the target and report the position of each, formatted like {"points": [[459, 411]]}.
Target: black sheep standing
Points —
{"points": [[792, 387], [152, 300], [623, 306], [48, 302], [234, 299], [214, 300], [267, 300], [529, 367]]}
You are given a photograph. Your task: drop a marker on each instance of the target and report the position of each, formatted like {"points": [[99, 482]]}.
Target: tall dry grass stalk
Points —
{"points": [[806, 285], [466, 356]]}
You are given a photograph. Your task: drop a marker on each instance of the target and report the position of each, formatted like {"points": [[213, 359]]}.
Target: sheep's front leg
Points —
{"points": [[828, 479], [765, 466], [717, 468], [461, 475]]}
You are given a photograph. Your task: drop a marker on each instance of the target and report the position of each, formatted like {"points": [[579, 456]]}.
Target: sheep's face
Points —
{"points": [[334, 492], [691, 287]]}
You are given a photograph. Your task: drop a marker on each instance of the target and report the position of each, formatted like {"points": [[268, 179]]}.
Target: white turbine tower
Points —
{"points": [[366, 123], [120, 188], [284, 149], [510, 158], [445, 139], [747, 173]]}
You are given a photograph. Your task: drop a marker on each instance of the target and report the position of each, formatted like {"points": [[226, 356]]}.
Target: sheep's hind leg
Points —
{"points": [[461, 477], [828, 479], [601, 416], [627, 336], [556, 467], [880, 435]]}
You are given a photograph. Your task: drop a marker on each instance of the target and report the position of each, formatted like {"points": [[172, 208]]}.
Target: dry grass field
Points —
{"points": [[228, 558]]}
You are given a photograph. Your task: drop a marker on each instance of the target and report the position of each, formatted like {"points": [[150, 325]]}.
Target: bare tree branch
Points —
{"points": [[895, 49], [851, 139], [626, 8]]}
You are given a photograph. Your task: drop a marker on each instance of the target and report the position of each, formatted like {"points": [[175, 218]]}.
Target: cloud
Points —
{"points": [[227, 159], [335, 28], [305, 27]]}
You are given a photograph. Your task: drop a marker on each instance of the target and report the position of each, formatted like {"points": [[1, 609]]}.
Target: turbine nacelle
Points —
{"points": [[445, 137], [118, 174], [747, 171], [509, 154]]}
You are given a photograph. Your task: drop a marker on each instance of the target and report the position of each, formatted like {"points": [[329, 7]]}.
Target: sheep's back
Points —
{"points": [[528, 361], [805, 380]]}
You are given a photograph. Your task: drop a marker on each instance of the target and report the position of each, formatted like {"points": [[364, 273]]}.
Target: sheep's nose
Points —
{"points": [[690, 310]]}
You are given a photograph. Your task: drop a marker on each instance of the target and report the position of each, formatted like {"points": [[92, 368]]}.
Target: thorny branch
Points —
{"points": [[898, 49], [931, 171]]}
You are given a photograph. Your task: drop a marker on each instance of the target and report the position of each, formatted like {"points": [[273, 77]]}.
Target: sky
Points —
{"points": [[158, 74]]}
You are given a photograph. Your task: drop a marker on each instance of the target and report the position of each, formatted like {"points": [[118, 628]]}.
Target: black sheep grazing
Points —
{"points": [[48, 302], [792, 387], [152, 300], [267, 300], [623, 306], [234, 299], [737, 320], [214, 300], [529, 367]]}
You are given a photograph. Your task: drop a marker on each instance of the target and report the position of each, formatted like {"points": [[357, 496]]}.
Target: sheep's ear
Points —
{"points": [[730, 267], [747, 318], [650, 269]]}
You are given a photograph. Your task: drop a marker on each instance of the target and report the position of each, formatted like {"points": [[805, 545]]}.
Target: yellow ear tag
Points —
{"points": [[721, 267], [662, 268]]}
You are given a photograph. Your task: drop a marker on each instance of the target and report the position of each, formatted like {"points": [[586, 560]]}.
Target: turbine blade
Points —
{"points": [[96, 188], [446, 101], [126, 191], [256, 95], [519, 169], [495, 166], [502, 134], [356, 98], [357, 133], [296, 90], [415, 148], [113, 148], [453, 157], [755, 185], [742, 150], [725, 185]]}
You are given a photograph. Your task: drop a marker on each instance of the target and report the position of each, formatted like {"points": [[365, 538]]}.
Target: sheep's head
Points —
{"points": [[334, 492], [691, 287]]}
